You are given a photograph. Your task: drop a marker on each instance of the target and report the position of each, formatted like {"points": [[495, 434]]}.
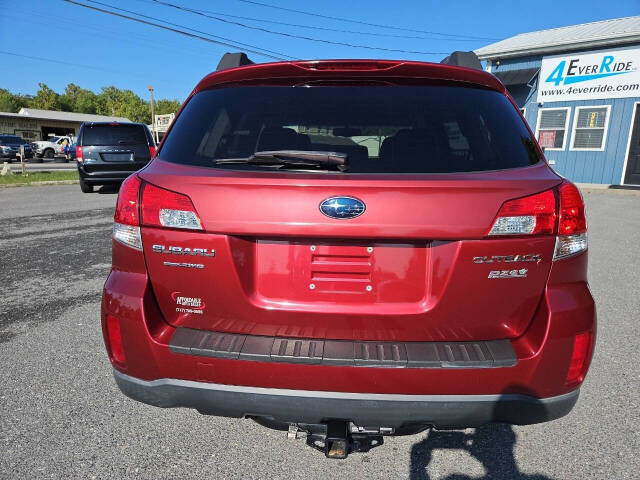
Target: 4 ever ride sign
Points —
{"points": [[590, 75]]}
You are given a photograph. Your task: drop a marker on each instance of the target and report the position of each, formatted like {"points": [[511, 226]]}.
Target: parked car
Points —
{"points": [[107, 153], [72, 151], [435, 278], [10, 148], [51, 147]]}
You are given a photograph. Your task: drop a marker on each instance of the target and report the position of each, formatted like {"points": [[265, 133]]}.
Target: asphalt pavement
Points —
{"points": [[61, 415]]}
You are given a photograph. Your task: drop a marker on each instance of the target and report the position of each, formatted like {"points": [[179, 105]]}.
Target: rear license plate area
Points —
{"points": [[347, 272], [117, 157]]}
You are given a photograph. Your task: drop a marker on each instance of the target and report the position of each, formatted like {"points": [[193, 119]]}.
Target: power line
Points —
{"points": [[113, 33], [226, 43], [290, 35], [253, 2], [61, 62], [324, 29]]}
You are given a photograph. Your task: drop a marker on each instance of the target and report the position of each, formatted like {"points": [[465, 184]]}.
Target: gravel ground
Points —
{"points": [[61, 415]]}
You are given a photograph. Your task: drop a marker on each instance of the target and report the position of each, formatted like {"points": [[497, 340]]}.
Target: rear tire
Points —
{"points": [[85, 187], [49, 153]]}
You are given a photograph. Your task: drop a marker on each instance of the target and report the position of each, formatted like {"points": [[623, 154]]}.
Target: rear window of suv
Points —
{"points": [[382, 129], [114, 135]]}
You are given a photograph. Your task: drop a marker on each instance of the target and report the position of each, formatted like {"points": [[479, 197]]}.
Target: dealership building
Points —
{"points": [[33, 124], [579, 89]]}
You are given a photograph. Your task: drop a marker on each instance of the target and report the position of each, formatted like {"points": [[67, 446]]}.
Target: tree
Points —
{"points": [[77, 99], [123, 103], [110, 101], [11, 103], [46, 98], [167, 106]]}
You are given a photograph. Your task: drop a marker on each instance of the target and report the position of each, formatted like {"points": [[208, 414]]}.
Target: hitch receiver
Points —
{"points": [[338, 439]]}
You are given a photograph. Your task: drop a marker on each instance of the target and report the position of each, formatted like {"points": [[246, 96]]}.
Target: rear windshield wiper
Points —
{"points": [[292, 158]]}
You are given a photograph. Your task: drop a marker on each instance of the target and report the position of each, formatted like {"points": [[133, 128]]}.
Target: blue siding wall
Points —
{"points": [[579, 166]]}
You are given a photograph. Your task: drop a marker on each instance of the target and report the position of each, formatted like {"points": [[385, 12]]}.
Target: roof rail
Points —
{"points": [[232, 60], [463, 59]]}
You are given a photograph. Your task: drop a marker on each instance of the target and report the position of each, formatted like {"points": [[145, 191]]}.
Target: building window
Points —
{"points": [[590, 128], [552, 127]]}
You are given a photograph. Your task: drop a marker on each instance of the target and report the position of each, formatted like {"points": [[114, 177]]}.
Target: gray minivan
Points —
{"points": [[107, 153]]}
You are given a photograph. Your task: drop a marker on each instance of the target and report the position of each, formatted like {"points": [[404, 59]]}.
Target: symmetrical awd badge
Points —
{"points": [[342, 207]]}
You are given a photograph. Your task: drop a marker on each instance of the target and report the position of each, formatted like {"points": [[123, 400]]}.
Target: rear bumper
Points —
{"points": [[364, 409], [104, 176], [161, 367]]}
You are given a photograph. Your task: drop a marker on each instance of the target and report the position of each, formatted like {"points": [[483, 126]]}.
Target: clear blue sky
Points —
{"points": [[101, 50]]}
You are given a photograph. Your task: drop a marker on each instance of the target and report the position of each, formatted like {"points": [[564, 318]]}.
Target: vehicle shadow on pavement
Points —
{"points": [[492, 445]]}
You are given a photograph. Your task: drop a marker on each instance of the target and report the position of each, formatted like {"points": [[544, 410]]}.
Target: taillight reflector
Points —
{"points": [[582, 346], [115, 339], [532, 215], [164, 208]]}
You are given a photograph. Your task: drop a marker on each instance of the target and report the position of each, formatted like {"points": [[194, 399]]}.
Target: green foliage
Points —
{"points": [[167, 106], [76, 99], [46, 99], [10, 102], [110, 101], [16, 178], [123, 103]]}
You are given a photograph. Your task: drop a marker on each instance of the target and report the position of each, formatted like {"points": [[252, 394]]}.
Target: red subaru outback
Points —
{"points": [[351, 248]]}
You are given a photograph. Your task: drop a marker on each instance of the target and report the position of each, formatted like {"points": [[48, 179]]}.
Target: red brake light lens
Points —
{"points": [[127, 204], [164, 208], [79, 158], [572, 217], [348, 65], [115, 339], [152, 151], [532, 215], [582, 346]]}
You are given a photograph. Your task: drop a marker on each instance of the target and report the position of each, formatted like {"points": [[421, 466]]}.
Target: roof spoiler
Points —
{"points": [[232, 60], [463, 59]]}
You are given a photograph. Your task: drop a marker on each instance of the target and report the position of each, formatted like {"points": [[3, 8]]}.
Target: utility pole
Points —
{"points": [[153, 117]]}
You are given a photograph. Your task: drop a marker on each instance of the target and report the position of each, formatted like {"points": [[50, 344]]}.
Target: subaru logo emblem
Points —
{"points": [[342, 207]]}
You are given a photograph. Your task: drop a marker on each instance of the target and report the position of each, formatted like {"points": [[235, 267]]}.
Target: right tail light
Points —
{"points": [[558, 211], [572, 222]]}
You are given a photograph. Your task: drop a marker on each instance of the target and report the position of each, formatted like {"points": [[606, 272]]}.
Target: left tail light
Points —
{"points": [[141, 203], [126, 226], [79, 158], [167, 209], [152, 151]]}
